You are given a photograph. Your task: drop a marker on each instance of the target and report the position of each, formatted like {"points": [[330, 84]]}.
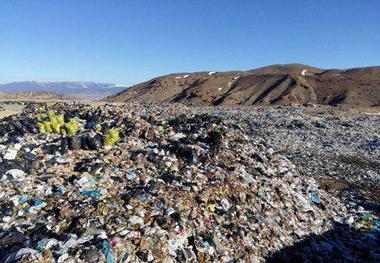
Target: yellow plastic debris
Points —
{"points": [[40, 116], [56, 127], [71, 127], [41, 127], [211, 207], [60, 119], [111, 137], [48, 126], [51, 115]]}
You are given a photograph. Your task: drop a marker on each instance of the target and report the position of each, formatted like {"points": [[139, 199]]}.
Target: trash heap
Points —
{"points": [[138, 183]]}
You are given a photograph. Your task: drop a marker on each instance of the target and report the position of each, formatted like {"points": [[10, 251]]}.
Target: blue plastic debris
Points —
{"points": [[37, 202], [107, 252], [94, 194], [41, 245], [23, 199], [314, 197]]}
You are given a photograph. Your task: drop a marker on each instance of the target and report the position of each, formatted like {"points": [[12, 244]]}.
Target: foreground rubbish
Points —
{"points": [[145, 183]]}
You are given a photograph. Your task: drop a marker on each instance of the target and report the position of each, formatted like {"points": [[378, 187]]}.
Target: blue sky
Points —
{"points": [[132, 41]]}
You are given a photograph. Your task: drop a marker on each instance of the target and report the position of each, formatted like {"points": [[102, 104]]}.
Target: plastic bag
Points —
{"points": [[71, 127], [48, 126], [51, 115], [60, 119], [56, 127], [111, 137], [41, 127]]}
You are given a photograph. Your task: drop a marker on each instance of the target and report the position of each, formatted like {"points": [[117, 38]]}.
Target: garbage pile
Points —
{"points": [[331, 144], [154, 183], [322, 142]]}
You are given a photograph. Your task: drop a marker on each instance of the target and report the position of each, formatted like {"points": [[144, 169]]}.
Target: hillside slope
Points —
{"points": [[272, 85]]}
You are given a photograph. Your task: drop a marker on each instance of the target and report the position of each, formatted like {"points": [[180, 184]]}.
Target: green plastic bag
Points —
{"points": [[111, 137], [40, 116], [71, 127], [48, 126], [53, 119], [41, 127], [56, 127], [51, 115], [60, 119]]}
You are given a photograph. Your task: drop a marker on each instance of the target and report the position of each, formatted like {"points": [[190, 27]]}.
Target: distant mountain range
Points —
{"points": [[79, 89], [272, 85]]}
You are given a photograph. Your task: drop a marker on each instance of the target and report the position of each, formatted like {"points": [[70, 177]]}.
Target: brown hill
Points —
{"points": [[271, 85], [35, 95]]}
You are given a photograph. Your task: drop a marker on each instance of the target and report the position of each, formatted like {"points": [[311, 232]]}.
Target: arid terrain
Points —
{"points": [[271, 165], [35, 96], [189, 131], [287, 84]]}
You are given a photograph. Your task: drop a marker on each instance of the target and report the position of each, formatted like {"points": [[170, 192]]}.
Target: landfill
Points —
{"points": [[162, 183]]}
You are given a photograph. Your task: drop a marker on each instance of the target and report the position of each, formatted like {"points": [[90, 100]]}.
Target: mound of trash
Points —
{"points": [[156, 183]]}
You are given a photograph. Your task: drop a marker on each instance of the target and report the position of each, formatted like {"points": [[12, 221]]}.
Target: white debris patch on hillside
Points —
{"points": [[184, 76]]}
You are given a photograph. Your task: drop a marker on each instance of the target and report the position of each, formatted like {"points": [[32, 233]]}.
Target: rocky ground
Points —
{"points": [[169, 183]]}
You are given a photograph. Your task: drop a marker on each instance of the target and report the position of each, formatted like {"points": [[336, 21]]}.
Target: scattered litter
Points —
{"points": [[157, 183]]}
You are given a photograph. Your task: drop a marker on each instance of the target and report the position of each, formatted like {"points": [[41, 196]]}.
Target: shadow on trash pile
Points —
{"points": [[342, 244]]}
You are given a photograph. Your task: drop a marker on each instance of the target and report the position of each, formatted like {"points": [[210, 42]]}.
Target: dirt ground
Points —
{"points": [[10, 110]]}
